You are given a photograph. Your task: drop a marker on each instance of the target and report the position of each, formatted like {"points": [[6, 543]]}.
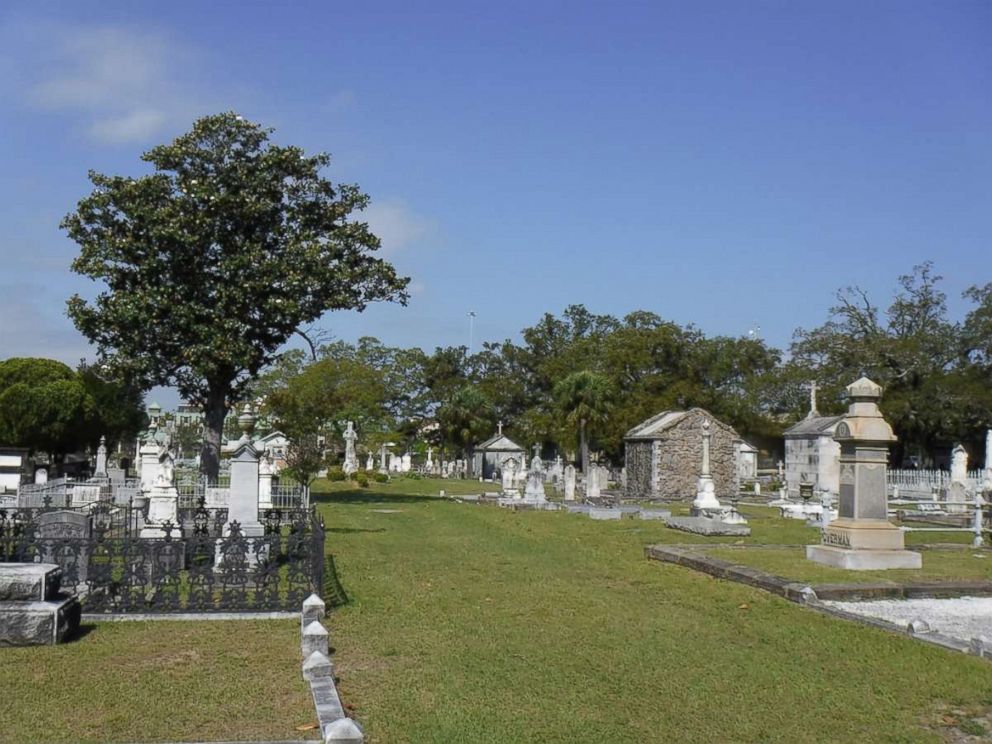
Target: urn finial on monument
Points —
{"points": [[862, 538]]}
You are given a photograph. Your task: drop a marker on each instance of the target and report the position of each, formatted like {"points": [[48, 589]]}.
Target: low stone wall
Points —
{"points": [[318, 670]]}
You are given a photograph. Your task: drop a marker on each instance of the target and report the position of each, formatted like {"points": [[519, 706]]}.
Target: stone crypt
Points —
{"points": [[862, 538]]}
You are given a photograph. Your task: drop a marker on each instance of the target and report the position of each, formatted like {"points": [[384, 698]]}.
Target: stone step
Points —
{"points": [[29, 582], [39, 623]]}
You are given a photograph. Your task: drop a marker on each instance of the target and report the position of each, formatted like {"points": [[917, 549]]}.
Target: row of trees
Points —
{"points": [[232, 244], [582, 380]]}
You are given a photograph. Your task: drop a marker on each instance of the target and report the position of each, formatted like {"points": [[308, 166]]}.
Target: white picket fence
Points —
{"points": [[923, 483]]}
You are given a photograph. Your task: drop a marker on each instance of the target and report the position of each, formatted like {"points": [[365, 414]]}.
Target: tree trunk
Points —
{"points": [[583, 447], [214, 412]]}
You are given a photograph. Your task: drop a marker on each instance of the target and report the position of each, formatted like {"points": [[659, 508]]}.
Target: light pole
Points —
{"points": [[471, 330]]}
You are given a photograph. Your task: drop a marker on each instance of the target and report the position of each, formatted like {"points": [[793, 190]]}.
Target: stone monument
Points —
{"points": [[569, 478], [101, 459], [534, 490], [350, 458], [265, 474], [163, 499], [706, 502], [862, 538], [243, 503], [957, 490], [508, 476]]}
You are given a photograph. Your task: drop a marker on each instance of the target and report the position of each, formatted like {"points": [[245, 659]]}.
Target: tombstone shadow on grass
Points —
{"points": [[81, 632], [364, 497]]}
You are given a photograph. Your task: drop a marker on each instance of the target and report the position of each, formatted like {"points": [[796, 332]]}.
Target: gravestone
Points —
{"points": [[705, 502], [569, 482], [534, 490], [593, 487], [101, 459], [350, 458], [957, 491], [862, 538], [63, 536], [508, 475]]}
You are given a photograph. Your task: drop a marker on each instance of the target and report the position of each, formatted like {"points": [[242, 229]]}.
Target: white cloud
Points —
{"points": [[396, 225], [124, 84], [128, 127]]}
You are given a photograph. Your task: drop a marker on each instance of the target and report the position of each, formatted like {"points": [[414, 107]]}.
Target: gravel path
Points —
{"points": [[963, 617]]}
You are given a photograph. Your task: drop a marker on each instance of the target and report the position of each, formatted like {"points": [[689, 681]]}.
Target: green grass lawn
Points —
{"points": [[471, 623], [158, 681]]}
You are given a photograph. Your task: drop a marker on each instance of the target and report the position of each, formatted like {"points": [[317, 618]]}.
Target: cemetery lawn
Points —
{"points": [[158, 681], [471, 623]]}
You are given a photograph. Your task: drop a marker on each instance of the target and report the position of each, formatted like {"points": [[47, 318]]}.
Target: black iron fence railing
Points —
{"points": [[118, 564]]}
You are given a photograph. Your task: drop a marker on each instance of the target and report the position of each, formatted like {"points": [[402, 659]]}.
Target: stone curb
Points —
{"points": [[335, 726], [95, 617], [813, 596]]}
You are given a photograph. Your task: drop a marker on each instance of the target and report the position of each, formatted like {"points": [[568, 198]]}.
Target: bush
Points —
{"points": [[362, 480], [335, 474], [380, 477]]}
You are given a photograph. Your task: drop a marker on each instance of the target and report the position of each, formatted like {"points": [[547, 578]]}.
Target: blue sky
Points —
{"points": [[729, 164]]}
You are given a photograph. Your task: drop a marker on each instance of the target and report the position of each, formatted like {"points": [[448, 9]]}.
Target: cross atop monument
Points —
{"points": [[537, 449], [812, 400], [499, 428]]}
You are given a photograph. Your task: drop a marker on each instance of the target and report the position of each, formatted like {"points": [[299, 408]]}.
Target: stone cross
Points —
{"points": [[499, 428], [812, 400], [706, 449]]}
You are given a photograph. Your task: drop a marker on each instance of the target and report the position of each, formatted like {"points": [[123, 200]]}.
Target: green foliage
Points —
{"points": [[216, 258], [362, 480], [380, 477], [466, 418], [44, 406], [336, 474]]}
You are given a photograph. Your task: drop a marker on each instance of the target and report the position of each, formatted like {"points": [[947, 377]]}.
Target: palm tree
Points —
{"points": [[584, 399], [466, 418]]}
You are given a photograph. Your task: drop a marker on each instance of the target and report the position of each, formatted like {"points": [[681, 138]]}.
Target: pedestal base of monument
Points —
{"points": [[863, 545], [863, 560]]}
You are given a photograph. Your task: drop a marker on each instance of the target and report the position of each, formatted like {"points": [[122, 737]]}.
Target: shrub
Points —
{"points": [[362, 480], [380, 477], [335, 474]]}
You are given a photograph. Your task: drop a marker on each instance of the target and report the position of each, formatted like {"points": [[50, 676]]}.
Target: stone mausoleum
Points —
{"points": [[489, 456], [663, 456], [812, 456]]}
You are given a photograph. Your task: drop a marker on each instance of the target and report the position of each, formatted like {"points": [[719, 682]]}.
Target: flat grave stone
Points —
{"points": [[29, 582], [655, 513], [707, 526], [38, 623], [601, 513]]}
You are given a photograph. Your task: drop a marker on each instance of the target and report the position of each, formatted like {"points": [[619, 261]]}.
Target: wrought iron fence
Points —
{"points": [[201, 564]]}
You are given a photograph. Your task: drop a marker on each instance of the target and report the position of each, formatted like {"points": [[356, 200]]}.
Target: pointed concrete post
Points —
{"points": [[315, 638], [317, 665], [343, 731], [314, 610]]}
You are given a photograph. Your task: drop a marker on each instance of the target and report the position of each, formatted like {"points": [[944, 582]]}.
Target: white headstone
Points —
{"points": [[569, 482]]}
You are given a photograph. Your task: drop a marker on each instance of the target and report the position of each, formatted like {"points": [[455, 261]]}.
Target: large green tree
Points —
{"points": [[216, 258], [44, 406]]}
